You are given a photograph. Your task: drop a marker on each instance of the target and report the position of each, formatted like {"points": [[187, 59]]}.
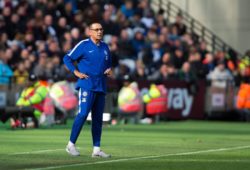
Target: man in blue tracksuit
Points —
{"points": [[93, 66]]}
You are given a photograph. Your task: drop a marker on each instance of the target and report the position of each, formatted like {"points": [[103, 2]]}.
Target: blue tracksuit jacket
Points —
{"points": [[92, 60]]}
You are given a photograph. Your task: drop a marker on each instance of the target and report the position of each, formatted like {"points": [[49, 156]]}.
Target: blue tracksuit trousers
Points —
{"points": [[94, 102]]}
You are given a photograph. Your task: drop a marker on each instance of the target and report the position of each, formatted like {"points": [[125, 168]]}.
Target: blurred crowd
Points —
{"points": [[36, 34]]}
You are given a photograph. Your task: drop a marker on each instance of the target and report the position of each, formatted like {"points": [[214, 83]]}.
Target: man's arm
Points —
{"points": [[108, 71], [73, 55], [69, 63]]}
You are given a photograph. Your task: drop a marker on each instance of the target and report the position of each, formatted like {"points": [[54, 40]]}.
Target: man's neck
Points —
{"points": [[95, 41]]}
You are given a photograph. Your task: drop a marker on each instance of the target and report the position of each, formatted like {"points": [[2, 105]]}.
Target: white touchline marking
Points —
{"points": [[209, 160], [34, 152], [39, 151], [145, 157]]}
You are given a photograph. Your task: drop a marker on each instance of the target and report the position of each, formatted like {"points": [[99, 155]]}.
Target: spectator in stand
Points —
{"points": [[48, 27], [3, 33], [138, 42], [39, 32], [29, 65], [151, 36], [24, 54], [78, 21], [187, 41], [146, 56], [67, 11], [75, 36], [121, 71], [8, 3], [67, 38], [172, 72], [160, 20], [113, 46], [5, 71], [166, 59], [163, 42], [21, 74], [52, 47], [61, 27], [196, 65], [127, 9], [166, 72], [40, 68], [186, 73], [9, 57], [208, 63], [32, 59], [55, 60], [50, 8], [6, 13], [66, 46], [14, 50], [143, 8], [23, 9], [125, 49], [179, 25], [2, 28], [92, 13], [110, 27], [203, 49], [173, 34], [41, 46], [220, 75], [30, 25], [73, 4], [148, 19], [135, 21], [157, 51], [14, 26], [163, 38], [140, 73], [122, 21], [29, 41], [178, 58], [49, 70], [219, 56]]}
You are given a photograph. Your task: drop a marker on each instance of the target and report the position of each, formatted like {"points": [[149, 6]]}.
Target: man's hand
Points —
{"points": [[108, 72], [80, 75]]}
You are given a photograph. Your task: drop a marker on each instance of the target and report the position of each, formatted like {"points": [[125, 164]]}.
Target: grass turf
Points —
{"points": [[144, 147]]}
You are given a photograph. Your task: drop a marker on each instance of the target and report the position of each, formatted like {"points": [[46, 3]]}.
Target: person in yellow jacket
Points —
{"points": [[155, 99], [152, 93], [129, 99], [33, 95], [243, 101]]}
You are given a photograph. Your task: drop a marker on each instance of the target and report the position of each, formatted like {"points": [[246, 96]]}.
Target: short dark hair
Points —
{"points": [[92, 23]]}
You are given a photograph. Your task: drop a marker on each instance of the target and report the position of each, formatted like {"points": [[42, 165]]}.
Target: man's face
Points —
{"points": [[221, 67], [96, 31]]}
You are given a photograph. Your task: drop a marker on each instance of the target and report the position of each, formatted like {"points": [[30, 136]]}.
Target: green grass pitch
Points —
{"points": [[174, 145]]}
